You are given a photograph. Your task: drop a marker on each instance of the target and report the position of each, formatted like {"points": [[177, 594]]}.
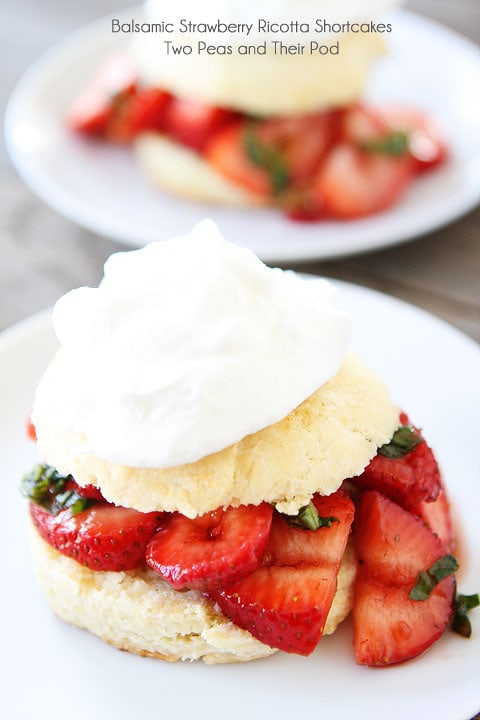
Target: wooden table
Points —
{"points": [[43, 255]]}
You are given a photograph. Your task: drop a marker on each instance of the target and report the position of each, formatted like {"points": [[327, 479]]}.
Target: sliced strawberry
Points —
{"points": [[269, 156], [393, 547], [103, 537], [407, 480], [285, 603], [97, 104], [226, 152], [87, 491], [427, 143], [216, 548], [353, 182], [303, 142], [193, 122], [145, 110], [438, 517], [360, 123], [30, 429]]}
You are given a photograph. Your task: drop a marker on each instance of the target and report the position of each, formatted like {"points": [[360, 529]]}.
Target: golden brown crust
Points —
{"points": [[329, 437]]}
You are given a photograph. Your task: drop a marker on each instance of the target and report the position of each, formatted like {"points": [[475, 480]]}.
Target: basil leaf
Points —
{"points": [[404, 440], [46, 487], [396, 144], [462, 604], [268, 158], [309, 519], [427, 580]]}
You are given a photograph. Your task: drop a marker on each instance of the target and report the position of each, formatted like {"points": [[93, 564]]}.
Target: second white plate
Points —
{"points": [[101, 188]]}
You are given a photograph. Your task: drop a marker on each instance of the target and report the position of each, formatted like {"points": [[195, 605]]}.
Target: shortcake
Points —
{"points": [[269, 112], [220, 477]]}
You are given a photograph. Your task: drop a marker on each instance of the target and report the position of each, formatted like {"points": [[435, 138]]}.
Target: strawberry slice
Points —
{"points": [[286, 601], [143, 111], [393, 547], [30, 429], [354, 182], [213, 549], [438, 517], [361, 123], [103, 537], [98, 103], [193, 122], [409, 478], [226, 151], [270, 156], [427, 144], [302, 142]]}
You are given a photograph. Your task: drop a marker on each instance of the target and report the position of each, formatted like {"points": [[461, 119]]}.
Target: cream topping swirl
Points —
{"points": [[187, 346]]}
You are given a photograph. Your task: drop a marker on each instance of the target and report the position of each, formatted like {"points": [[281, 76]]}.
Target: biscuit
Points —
{"points": [[183, 172], [139, 612], [329, 437]]}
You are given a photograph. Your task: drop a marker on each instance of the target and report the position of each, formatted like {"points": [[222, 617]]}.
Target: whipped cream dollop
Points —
{"points": [[187, 346]]}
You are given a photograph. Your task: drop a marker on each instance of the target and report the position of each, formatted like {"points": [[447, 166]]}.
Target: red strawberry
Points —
{"points": [[103, 537], [268, 156], [286, 601], [142, 111], [393, 547], [210, 550], [427, 144], [226, 152], [438, 517], [193, 122], [302, 141], [407, 480], [30, 429], [87, 491], [360, 123], [352, 182], [98, 103]]}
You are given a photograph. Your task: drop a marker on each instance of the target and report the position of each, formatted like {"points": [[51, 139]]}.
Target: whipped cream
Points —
{"points": [[187, 346]]}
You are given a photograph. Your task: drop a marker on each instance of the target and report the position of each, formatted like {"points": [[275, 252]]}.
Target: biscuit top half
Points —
{"points": [[195, 377]]}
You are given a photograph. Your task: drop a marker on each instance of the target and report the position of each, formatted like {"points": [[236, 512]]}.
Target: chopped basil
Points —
{"points": [[403, 441], [461, 605], [309, 519], [268, 158], [46, 487], [397, 143], [427, 580]]}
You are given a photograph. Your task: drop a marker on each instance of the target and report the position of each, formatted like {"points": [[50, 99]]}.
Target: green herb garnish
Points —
{"points": [[403, 441], [46, 487], [427, 580], [461, 605], [309, 519], [269, 158], [397, 143]]}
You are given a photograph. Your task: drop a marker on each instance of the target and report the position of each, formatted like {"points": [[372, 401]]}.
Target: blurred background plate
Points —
{"points": [[100, 187]]}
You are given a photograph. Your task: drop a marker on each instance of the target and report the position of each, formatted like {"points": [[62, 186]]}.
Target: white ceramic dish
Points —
{"points": [[101, 188], [53, 671]]}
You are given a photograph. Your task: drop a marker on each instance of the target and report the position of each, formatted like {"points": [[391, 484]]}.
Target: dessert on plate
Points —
{"points": [[221, 478], [283, 128]]}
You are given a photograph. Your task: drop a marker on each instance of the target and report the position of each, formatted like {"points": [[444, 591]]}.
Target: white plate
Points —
{"points": [[100, 186], [53, 671]]}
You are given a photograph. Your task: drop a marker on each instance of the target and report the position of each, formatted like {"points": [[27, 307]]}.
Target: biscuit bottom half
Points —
{"points": [[139, 612]]}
